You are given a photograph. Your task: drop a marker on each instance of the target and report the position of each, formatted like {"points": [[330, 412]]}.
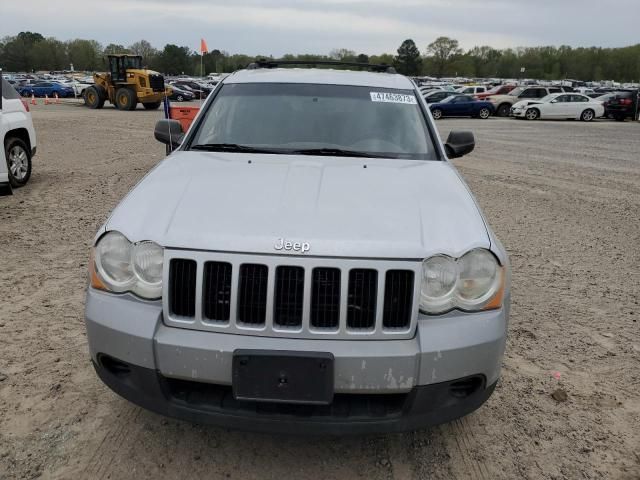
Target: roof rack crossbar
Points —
{"points": [[269, 63]]}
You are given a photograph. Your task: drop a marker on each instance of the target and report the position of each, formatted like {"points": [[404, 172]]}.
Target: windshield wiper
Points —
{"points": [[233, 147], [336, 152]]}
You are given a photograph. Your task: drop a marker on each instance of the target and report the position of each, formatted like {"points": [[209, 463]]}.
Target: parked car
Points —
{"points": [[497, 90], [472, 90], [559, 106], [623, 105], [605, 99], [354, 286], [78, 87], [200, 91], [41, 89], [18, 139], [180, 94], [503, 103], [437, 96], [462, 106]]}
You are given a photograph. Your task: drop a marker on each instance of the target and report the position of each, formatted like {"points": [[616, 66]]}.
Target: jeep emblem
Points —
{"points": [[282, 244]]}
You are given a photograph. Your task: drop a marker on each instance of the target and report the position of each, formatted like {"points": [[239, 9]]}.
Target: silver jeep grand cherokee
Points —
{"points": [[307, 260]]}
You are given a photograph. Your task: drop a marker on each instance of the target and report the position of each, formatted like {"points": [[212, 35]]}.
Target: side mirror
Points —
{"points": [[169, 132], [459, 143]]}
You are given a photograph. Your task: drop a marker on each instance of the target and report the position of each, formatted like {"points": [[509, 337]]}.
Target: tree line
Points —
{"points": [[30, 51]]}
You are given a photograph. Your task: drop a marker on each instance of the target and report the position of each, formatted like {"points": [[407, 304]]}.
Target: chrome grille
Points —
{"points": [[291, 296]]}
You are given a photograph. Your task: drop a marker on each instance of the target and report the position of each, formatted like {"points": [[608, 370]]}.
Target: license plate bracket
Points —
{"points": [[283, 376]]}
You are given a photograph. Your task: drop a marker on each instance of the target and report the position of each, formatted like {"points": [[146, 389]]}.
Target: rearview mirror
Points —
{"points": [[169, 132], [459, 143]]}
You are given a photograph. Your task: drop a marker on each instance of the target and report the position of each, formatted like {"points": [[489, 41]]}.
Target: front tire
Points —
{"points": [[532, 114], [94, 96], [126, 99], [504, 110], [588, 115], [180, 98], [484, 113], [436, 113], [152, 106], [18, 161]]}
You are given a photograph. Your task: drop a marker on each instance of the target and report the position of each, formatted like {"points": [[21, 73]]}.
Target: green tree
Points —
{"points": [[442, 51], [18, 51], [175, 60], [85, 55], [408, 60], [50, 54]]}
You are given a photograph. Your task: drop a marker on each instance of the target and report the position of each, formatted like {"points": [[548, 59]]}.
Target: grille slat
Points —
{"points": [[216, 295], [361, 303], [252, 294], [325, 300], [398, 298], [182, 284], [289, 293]]}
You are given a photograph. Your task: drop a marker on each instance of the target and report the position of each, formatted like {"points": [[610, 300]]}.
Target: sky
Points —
{"points": [[276, 27]]}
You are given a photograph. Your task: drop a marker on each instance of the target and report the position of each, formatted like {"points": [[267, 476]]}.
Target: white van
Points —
{"points": [[19, 139]]}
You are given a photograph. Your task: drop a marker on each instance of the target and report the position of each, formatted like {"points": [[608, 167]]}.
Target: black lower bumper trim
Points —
{"points": [[349, 414]]}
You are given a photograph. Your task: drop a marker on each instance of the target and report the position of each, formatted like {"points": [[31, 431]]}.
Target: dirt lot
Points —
{"points": [[563, 197]]}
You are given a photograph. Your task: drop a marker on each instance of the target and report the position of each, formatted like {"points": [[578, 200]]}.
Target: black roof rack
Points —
{"points": [[269, 63]]}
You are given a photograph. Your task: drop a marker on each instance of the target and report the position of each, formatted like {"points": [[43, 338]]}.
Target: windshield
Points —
{"points": [[316, 119], [516, 91]]}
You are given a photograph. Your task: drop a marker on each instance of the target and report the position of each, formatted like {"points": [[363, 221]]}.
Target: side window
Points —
{"points": [[580, 98], [8, 91], [481, 90]]}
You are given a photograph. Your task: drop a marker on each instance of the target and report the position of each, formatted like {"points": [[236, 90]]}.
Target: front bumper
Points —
{"points": [[170, 367]]}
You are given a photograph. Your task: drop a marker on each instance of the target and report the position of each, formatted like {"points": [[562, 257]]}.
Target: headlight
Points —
{"points": [[439, 276], [120, 266], [473, 282]]}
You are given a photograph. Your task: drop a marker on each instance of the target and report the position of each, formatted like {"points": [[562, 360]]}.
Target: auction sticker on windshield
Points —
{"points": [[387, 97]]}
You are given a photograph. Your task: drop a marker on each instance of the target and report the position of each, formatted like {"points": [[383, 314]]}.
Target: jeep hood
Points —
{"points": [[347, 207]]}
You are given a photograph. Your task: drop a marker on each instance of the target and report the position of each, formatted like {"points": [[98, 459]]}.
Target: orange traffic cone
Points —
{"points": [[46, 100], [57, 98], [33, 100]]}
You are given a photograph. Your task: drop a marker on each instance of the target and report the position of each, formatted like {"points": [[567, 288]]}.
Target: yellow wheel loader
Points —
{"points": [[125, 84]]}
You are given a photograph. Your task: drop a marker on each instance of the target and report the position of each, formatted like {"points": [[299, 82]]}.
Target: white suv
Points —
{"points": [[19, 139]]}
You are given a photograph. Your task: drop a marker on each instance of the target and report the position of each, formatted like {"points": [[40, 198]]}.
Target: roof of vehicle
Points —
{"points": [[325, 76]]}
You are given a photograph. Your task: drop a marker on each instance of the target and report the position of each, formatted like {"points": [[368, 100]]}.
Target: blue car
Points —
{"points": [[462, 106], [40, 89]]}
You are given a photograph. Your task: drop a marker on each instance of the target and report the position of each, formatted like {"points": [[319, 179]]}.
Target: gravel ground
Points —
{"points": [[563, 197]]}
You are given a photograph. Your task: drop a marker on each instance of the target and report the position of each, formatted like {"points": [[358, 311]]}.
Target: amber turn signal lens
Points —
{"points": [[93, 274], [496, 301]]}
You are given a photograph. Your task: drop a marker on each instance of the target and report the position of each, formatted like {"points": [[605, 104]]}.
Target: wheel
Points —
{"points": [[152, 106], [126, 99], [180, 98], [436, 113], [504, 110], [484, 113], [587, 115], [532, 114], [94, 96], [619, 118], [18, 161]]}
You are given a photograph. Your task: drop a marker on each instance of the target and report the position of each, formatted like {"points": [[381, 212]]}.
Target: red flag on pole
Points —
{"points": [[203, 46]]}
